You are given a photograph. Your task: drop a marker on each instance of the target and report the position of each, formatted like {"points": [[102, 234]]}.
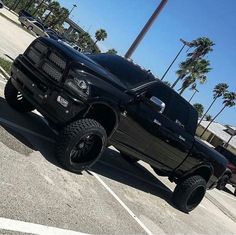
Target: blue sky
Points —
{"points": [[187, 19]]}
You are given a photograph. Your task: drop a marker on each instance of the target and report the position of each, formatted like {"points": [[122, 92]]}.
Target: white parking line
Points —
{"points": [[122, 203], [25, 227], [12, 124]]}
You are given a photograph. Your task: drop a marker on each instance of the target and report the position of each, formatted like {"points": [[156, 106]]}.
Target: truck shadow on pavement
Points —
{"points": [[27, 129]]}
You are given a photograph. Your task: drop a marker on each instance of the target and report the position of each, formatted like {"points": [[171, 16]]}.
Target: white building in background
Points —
{"points": [[218, 134]]}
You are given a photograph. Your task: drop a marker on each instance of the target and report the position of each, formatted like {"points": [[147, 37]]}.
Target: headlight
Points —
{"points": [[79, 86]]}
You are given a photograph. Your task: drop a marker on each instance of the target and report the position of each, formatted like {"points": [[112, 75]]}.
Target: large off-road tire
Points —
{"points": [[222, 182], [80, 144], [189, 193], [128, 158], [16, 100]]}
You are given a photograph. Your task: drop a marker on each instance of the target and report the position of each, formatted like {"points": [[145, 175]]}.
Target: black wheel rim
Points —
{"points": [[86, 150], [195, 197]]}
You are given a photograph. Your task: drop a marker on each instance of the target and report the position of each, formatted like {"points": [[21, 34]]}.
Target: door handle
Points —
{"points": [[182, 138], [157, 122]]}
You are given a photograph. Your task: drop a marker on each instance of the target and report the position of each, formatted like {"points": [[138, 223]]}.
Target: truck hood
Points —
{"points": [[76, 57]]}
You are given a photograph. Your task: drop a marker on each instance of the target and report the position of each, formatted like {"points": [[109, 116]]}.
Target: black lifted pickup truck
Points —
{"points": [[100, 100]]}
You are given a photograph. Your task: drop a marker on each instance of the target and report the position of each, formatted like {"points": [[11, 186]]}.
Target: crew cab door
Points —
{"points": [[171, 137], [149, 135]]}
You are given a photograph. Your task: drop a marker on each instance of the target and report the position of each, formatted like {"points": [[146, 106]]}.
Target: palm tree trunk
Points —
{"points": [[95, 42], [182, 90], [212, 120], [207, 110], [194, 93], [176, 81]]}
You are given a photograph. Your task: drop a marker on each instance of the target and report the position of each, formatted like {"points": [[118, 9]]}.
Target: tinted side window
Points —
{"points": [[161, 92], [179, 112]]}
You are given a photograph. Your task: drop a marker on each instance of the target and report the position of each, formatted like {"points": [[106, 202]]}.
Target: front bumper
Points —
{"points": [[43, 93]]}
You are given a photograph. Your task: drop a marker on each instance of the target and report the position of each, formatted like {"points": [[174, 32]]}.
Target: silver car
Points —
{"points": [[33, 25]]}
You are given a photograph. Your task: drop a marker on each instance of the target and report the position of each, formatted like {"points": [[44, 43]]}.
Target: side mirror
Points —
{"points": [[158, 104]]}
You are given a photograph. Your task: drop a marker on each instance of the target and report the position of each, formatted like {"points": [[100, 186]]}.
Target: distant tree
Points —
{"points": [[219, 90], [84, 40], [208, 117], [229, 101], [100, 35], [199, 108], [58, 17], [54, 9], [112, 51]]}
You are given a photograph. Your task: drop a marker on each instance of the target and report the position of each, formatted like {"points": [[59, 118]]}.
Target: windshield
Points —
{"points": [[129, 74]]}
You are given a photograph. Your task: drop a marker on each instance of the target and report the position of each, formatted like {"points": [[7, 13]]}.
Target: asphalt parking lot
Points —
{"points": [[39, 197]]}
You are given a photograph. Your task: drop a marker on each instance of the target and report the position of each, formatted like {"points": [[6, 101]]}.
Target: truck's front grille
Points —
{"points": [[46, 60], [52, 72]]}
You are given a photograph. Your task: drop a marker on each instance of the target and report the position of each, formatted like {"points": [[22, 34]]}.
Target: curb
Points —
{"points": [[4, 73], [221, 207]]}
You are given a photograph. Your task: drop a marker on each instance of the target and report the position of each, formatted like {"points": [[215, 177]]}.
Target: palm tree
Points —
{"points": [[181, 73], [193, 88], [202, 47], [196, 72], [200, 109], [219, 90], [100, 35], [229, 101], [29, 5], [54, 8], [59, 16], [112, 51], [84, 40], [208, 117], [38, 7]]}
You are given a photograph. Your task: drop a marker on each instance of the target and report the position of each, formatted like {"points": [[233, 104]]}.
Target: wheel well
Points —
{"points": [[205, 172], [104, 115]]}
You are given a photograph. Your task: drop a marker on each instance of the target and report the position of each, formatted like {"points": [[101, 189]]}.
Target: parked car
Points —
{"points": [[230, 175], [33, 25], [53, 34], [100, 100], [1, 4]]}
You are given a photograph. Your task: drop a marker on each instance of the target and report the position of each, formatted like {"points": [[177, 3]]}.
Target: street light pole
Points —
{"points": [[196, 90], [185, 43], [145, 29], [74, 6]]}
